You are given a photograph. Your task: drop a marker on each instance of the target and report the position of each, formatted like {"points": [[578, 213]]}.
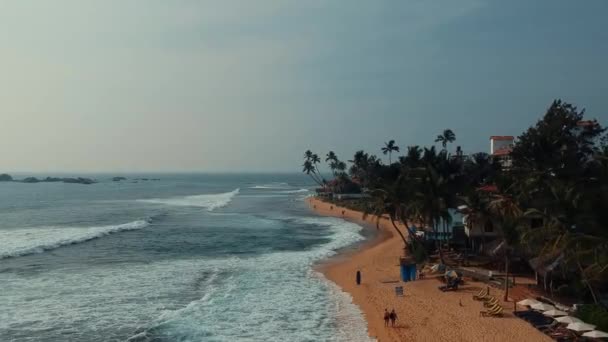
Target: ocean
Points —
{"points": [[196, 257]]}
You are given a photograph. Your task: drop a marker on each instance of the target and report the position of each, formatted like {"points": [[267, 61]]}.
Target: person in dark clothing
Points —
{"points": [[393, 317], [358, 277], [386, 317]]}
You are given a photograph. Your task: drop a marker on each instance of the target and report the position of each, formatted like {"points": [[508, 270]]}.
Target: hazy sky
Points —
{"points": [[212, 85]]}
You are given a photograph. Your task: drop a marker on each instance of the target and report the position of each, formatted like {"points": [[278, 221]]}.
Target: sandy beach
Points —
{"points": [[425, 313]]}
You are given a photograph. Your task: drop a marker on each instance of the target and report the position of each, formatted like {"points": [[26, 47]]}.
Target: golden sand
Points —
{"points": [[425, 313]]}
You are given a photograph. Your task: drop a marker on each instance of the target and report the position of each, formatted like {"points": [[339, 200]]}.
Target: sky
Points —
{"points": [[226, 85]]}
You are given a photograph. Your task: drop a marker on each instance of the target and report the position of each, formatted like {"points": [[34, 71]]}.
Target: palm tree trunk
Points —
{"points": [[580, 267], [438, 244], [400, 233], [506, 277]]}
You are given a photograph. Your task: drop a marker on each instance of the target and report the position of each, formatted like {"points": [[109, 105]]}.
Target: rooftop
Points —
{"points": [[502, 137], [587, 123]]}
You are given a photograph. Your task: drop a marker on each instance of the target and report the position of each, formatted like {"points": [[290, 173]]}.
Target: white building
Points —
{"points": [[501, 147]]}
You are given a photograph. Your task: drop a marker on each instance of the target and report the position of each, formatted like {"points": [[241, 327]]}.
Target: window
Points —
{"points": [[488, 227]]}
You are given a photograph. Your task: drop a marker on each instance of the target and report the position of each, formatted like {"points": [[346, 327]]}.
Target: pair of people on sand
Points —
{"points": [[392, 316]]}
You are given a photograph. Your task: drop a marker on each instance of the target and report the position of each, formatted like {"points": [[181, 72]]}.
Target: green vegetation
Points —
{"points": [[548, 198], [594, 314]]}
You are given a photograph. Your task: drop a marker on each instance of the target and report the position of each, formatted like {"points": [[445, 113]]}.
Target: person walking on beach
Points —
{"points": [[393, 317], [358, 277], [386, 317]]}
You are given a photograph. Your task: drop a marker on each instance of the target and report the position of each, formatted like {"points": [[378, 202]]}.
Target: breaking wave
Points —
{"points": [[258, 293], [271, 186], [19, 242], [294, 191], [208, 201]]}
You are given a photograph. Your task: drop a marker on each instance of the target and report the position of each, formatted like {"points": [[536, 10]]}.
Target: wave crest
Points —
{"points": [[19, 242], [277, 185], [208, 201]]}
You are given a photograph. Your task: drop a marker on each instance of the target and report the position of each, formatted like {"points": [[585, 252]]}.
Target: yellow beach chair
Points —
{"points": [[490, 302], [493, 312], [481, 295]]}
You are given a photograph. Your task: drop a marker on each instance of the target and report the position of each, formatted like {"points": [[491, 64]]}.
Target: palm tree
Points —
{"points": [[331, 156], [508, 212], [390, 200], [446, 137], [413, 156], [435, 200], [310, 167], [389, 148], [332, 159]]}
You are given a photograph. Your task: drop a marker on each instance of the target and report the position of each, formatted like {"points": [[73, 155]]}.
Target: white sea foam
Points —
{"points": [[17, 242], [294, 191], [271, 186], [273, 297], [208, 201], [270, 297]]}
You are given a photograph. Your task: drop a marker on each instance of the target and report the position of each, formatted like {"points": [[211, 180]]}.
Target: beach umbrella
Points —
{"points": [[568, 319], [555, 313], [580, 326], [542, 307], [528, 302], [595, 334]]}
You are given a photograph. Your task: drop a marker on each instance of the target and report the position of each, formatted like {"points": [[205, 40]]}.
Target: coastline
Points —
{"points": [[425, 313]]}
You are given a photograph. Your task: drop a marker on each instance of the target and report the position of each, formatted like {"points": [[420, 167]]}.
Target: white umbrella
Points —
{"points": [[568, 319], [596, 334], [554, 313], [528, 302], [580, 326], [542, 307]]}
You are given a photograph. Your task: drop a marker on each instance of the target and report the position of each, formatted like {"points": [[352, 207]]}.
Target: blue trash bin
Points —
{"points": [[405, 273]]}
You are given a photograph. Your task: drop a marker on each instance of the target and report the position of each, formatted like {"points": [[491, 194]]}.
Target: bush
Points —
{"points": [[594, 314]]}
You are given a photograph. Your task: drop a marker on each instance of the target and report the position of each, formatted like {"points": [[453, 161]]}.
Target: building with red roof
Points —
{"points": [[501, 147]]}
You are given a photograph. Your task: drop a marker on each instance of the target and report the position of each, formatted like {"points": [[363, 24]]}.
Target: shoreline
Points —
{"points": [[425, 313]]}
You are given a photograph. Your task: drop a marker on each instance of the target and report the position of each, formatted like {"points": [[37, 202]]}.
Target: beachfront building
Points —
{"points": [[446, 230], [500, 148], [483, 236]]}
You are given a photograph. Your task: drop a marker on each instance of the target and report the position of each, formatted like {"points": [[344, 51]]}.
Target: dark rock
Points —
{"points": [[30, 180], [6, 178], [118, 179], [78, 180]]}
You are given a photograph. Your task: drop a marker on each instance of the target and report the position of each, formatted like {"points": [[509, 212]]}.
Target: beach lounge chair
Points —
{"points": [[494, 312], [491, 302], [481, 295]]}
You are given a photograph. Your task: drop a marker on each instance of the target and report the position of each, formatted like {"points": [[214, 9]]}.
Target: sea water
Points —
{"points": [[183, 258]]}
